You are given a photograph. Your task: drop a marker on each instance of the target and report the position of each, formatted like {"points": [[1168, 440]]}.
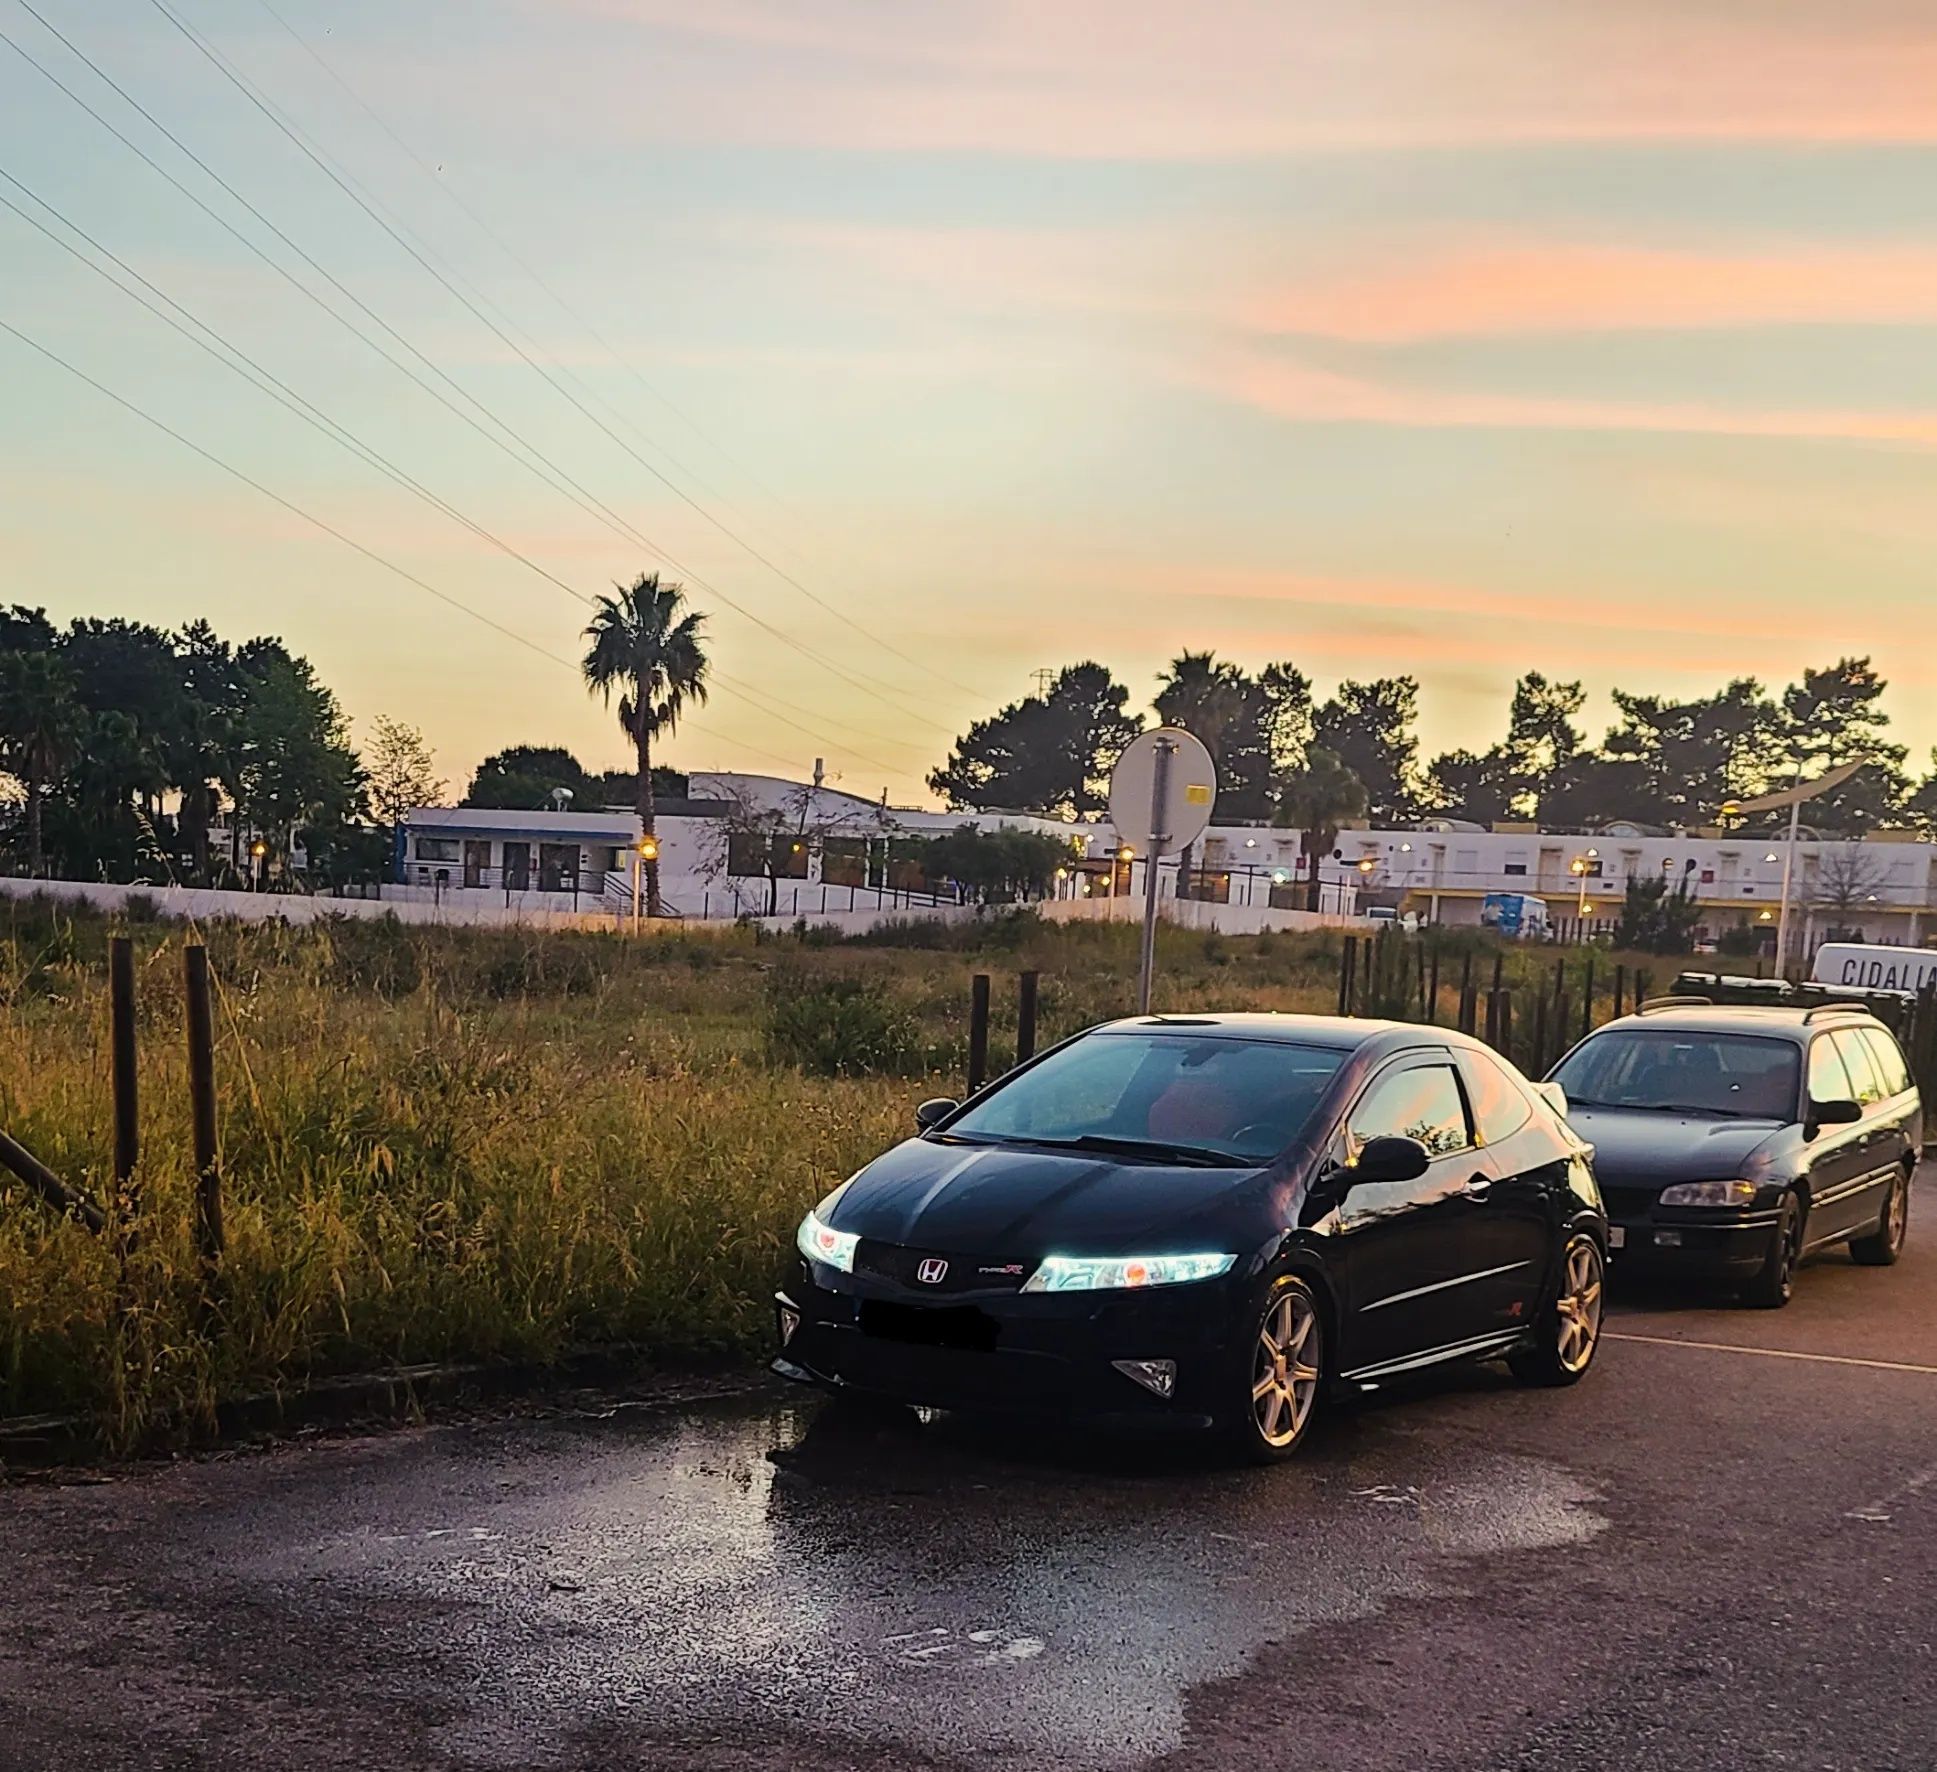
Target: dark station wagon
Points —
{"points": [[1731, 1141]]}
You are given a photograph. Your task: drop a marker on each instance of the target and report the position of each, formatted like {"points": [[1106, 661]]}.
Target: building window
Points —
{"points": [[753, 855], [437, 849]]}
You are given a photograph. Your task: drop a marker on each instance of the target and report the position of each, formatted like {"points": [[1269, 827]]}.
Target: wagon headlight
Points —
{"points": [[1709, 1193], [821, 1242], [1078, 1273]]}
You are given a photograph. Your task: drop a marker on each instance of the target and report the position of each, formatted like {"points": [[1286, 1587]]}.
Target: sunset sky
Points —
{"points": [[1455, 337]]}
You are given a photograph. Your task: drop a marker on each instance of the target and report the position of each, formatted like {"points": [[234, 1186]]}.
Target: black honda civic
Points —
{"points": [[1206, 1222]]}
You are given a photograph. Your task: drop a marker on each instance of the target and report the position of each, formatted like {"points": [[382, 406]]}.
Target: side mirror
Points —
{"points": [[1389, 1159], [1835, 1113], [932, 1113]]}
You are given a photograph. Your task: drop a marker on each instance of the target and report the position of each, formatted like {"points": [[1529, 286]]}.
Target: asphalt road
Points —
{"points": [[1718, 1552]]}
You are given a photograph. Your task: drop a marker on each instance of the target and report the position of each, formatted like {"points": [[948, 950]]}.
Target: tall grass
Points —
{"points": [[448, 1143]]}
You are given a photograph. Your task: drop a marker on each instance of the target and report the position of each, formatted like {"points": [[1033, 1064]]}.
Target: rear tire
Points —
{"points": [[1278, 1375], [1775, 1283], [1569, 1329], [1884, 1244]]}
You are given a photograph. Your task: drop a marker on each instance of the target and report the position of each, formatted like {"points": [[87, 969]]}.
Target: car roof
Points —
{"points": [[1341, 1032], [1770, 1020]]}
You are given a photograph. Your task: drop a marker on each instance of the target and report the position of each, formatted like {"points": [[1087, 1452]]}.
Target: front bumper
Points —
{"points": [[1692, 1242], [1048, 1355]]}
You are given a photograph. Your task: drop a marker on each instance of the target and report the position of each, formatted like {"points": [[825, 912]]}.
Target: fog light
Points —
{"points": [[1158, 1377], [789, 1322], [1668, 1239]]}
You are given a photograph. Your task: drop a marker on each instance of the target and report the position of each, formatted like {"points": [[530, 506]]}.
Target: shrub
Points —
{"points": [[839, 1026], [372, 954]]}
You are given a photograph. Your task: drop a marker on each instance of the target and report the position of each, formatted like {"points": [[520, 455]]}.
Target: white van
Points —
{"points": [[1867, 966]]}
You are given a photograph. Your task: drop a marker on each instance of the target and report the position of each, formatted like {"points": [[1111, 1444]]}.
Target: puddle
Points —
{"points": [[944, 1589]]}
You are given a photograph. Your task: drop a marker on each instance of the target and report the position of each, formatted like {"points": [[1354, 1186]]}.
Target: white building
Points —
{"points": [[739, 845], [746, 844]]}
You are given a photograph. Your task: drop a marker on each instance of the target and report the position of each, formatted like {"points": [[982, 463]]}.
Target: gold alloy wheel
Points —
{"points": [[1284, 1374], [1579, 1305]]}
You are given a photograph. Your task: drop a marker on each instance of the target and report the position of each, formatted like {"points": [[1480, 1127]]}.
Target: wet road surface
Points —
{"points": [[1720, 1551]]}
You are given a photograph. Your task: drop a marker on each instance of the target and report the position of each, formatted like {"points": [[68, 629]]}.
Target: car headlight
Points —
{"points": [[1110, 1273], [821, 1242], [1709, 1193]]}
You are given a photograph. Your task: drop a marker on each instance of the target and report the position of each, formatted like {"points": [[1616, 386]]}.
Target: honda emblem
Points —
{"points": [[932, 1271]]}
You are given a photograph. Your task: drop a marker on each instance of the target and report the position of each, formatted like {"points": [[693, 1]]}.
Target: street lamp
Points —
{"points": [[1792, 799], [260, 851], [646, 851], [1582, 867]]}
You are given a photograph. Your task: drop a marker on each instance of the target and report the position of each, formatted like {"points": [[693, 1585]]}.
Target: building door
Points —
{"points": [[477, 860], [557, 867], [517, 867]]}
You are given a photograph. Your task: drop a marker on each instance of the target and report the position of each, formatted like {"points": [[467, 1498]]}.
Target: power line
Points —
{"points": [[310, 517], [434, 176], [268, 383], [549, 472], [349, 188]]}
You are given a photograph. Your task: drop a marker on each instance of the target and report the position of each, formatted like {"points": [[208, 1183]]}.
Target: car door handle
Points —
{"points": [[1478, 1187]]}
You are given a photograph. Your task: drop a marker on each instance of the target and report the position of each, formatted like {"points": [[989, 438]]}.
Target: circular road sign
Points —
{"points": [[1189, 791]]}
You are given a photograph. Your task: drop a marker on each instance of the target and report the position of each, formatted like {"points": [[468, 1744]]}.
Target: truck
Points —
{"points": [[1873, 967], [1517, 915]]}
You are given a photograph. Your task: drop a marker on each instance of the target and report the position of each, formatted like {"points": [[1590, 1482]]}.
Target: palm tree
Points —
{"points": [[1206, 698], [646, 649], [40, 732], [1315, 802]]}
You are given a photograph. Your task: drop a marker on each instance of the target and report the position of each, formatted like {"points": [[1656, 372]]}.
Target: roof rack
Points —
{"points": [[1655, 1005], [1827, 1009]]}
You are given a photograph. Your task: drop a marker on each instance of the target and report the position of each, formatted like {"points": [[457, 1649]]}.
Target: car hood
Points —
{"points": [[1634, 1147], [1024, 1204]]}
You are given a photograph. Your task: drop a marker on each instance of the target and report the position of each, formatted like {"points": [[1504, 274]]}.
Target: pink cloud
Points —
{"points": [[1119, 78], [1306, 395], [1525, 286]]}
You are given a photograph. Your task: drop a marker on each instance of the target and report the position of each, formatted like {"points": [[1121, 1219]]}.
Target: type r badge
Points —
{"points": [[932, 1271]]}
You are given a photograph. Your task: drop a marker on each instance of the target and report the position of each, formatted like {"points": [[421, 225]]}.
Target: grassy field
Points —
{"points": [[490, 1143]]}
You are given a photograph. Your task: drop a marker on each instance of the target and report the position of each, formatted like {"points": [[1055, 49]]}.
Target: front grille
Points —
{"points": [[1629, 1205], [960, 1273]]}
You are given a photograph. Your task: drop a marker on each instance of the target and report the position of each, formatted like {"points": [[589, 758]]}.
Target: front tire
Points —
{"points": [[1775, 1283], [1569, 1330], [1883, 1245], [1275, 1388]]}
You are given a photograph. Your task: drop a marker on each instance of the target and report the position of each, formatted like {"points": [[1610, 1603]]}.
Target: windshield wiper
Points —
{"points": [[1192, 1155]]}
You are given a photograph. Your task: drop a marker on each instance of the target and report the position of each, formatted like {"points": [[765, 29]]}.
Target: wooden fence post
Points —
{"points": [[209, 1239], [1587, 1000], [978, 1053], [49, 1186], [1432, 989], [1026, 1017], [1347, 962], [121, 1055]]}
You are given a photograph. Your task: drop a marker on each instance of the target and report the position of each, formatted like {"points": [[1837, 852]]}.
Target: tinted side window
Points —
{"points": [[1423, 1103], [1889, 1060], [1500, 1105], [1855, 1054], [1828, 1080]]}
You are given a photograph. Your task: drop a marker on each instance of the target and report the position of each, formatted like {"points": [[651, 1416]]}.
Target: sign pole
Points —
{"points": [[1159, 837]]}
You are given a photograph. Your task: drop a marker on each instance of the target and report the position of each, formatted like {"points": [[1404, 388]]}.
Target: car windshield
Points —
{"points": [[1740, 1076], [1169, 1096]]}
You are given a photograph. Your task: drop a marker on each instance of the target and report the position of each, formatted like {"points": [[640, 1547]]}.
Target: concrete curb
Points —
{"points": [[402, 1394]]}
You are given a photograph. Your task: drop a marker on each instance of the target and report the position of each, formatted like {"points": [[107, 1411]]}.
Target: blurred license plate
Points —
{"points": [[1617, 1236]]}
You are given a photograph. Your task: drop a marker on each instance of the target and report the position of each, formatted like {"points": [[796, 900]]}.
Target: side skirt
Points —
{"points": [[1477, 1348]]}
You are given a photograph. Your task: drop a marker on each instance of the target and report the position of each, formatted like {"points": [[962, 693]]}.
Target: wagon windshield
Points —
{"points": [[1737, 1076], [1238, 1101]]}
